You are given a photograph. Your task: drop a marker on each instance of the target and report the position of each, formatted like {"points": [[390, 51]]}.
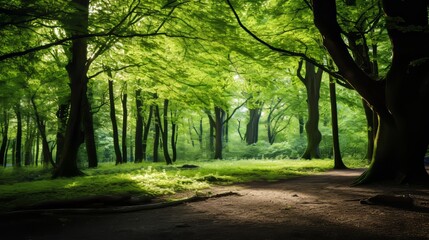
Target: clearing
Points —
{"points": [[321, 206]]}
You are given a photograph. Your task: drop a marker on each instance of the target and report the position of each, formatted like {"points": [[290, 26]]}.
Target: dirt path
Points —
{"points": [[319, 207]]}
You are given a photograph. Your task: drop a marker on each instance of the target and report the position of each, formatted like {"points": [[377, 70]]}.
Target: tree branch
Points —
{"points": [[281, 50], [325, 19]]}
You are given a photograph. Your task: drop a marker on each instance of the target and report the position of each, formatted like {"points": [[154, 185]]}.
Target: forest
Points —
{"points": [[172, 80], [142, 99], [91, 82]]}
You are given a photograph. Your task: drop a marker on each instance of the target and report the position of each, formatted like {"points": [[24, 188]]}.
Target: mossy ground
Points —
{"points": [[28, 186]]}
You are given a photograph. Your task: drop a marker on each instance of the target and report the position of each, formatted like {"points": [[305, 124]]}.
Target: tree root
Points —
{"points": [[120, 209]]}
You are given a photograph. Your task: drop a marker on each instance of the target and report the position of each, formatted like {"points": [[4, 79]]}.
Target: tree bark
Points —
{"points": [[252, 128], [163, 127], [156, 136], [124, 123], [219, 132], [338, 161], [312, 82], [116, 147], [174, 136], [36, 160], [139, 128]]}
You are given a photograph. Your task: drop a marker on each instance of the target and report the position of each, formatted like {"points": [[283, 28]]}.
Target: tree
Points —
{"points": [[124, 122], [76, 69], [4, 132], [401, 98], [338, 161], [312, 81], [116, 147]]}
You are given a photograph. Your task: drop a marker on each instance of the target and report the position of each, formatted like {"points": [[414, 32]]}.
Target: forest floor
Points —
{"points": [[321, 206]]}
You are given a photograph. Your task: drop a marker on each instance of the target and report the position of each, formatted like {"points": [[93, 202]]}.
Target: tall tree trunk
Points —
{"points": [[312, 81], [18, 141], [124, 123], [139, 128], [89, 133], [155, 154], [130, 139], [36, 160], [4, 131], [252, 128], [76, 69], [116, 147], [338, 161], [13, 152], [200, 135], [163, 127], [174, 136]]}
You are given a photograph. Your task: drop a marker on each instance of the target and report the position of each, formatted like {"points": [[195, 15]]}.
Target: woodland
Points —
{"points": [[102, 81]]}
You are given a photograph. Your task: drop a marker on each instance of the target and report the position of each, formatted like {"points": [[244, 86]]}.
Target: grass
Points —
{"points": [[27, 186]]}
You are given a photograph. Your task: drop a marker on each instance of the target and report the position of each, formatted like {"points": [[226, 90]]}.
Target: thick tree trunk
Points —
{"points": [[76, 69], [312, 82], [124, 124], [116, 147], [401, 102], [139, 128], [252, 128]]}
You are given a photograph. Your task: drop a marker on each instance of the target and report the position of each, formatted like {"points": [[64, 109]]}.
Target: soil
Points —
{"points": [[321, 206]]}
